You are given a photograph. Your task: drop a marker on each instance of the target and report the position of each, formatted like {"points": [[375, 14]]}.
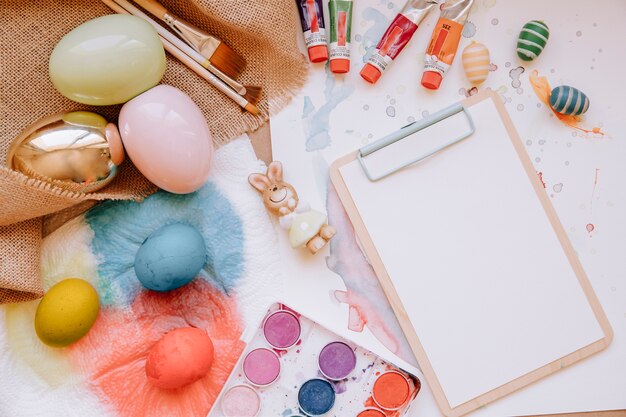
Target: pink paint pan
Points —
{"points": [[282, 329], [261, 367]]}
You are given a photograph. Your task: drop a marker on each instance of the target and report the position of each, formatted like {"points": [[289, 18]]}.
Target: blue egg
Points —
{"points": [[568, 100], [170, 257], [316, 397]]}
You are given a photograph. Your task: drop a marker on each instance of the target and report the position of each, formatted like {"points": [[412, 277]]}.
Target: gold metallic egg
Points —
{"points": [[77, 151]]}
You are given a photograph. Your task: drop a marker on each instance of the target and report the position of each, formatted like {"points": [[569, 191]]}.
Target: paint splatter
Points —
{"points": [[515, 74], [493, 67], [540, 175], [425, 113], [557, 187], [495, 21], [410, 119], [529, 142], [469, 92], [590, 227], [317, 122], [542, 90], [364, 295], [366, 107], [391, 111], [520, 107], [579, 33], [469, 30], [507, 64]]}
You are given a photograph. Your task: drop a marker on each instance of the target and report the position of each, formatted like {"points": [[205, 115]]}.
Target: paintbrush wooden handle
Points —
{"points": [[191, 64], [153, 7]]}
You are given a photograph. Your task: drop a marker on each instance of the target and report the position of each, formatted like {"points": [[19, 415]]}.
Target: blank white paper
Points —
{"points": [[475, 260]]}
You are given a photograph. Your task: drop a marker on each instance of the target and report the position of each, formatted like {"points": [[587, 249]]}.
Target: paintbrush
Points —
{"points": [[221, 55], [194, 66], [250, 92]]}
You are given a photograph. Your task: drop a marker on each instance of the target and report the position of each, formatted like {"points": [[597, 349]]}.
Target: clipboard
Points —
{"points": [[471, 254]]}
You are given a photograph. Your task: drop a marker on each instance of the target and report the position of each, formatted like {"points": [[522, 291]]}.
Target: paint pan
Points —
{"points": [[336, 361], [282, 329], [316, 397], [261, 367], [241, 401], [295, 365], [371, 412], [391, 391]]}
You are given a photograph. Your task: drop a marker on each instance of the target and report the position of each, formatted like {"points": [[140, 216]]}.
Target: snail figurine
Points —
{"points": [[306, 227]]}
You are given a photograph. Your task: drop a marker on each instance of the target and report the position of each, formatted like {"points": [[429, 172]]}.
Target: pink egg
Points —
{"points": [[167, 137], [181, 357]]}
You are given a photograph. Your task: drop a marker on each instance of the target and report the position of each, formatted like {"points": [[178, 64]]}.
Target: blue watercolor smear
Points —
{"points": [[316, 123], [120, 227], [308, 107]]}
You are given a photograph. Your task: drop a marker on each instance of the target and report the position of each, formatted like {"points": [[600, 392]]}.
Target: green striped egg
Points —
{"points": [[568, 100], [532, 39]]}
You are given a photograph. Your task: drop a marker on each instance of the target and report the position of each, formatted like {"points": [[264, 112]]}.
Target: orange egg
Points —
{"points": [[476, 62], [181, 357]]}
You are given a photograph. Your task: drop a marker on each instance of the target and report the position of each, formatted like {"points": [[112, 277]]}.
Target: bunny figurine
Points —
{"points": [[306, 227]]}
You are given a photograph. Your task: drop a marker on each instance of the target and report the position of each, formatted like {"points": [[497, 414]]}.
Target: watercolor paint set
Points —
{"points": [[292, 366]]}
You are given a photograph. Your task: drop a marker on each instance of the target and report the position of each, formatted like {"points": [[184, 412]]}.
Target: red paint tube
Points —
{"points": [[445, 41], [396, 37], [312, 20]]}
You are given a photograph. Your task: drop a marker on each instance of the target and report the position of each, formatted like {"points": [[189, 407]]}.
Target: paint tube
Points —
{"points": [[312, 19], [445, 41], [395, 38], [340, 22]]}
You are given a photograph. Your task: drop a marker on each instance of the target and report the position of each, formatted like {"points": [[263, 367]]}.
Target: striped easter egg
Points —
{"points": [[568, 100], [532, 39], [476, 62]]}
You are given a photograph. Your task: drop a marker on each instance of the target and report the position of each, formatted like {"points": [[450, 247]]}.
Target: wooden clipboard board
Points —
{"points": [[600, 337]]}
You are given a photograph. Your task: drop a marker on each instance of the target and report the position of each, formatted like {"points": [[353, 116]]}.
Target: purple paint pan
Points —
{"points": [[282, 329], [336, 360]]}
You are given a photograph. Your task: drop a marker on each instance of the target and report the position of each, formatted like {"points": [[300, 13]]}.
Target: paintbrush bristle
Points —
{"points": [[227, 61], [252, 109], [253, 93]]}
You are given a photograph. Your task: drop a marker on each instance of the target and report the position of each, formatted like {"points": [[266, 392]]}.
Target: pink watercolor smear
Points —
{"points": [[114, 352], [542, 89]]}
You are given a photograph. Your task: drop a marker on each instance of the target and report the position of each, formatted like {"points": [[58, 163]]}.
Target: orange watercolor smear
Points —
{"points": [[114, 352], [542, 90]]}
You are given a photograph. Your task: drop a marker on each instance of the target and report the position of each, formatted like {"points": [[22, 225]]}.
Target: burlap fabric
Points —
{"points": [[263, 32]]}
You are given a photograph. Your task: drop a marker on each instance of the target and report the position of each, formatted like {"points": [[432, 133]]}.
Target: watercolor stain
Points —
{"points": [[514, 74], [120, 227], [557, 187], [317, 121], [469, 30], [391, 111]]}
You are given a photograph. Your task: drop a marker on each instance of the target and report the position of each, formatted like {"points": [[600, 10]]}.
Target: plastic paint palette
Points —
{"points": [[292, 366]]}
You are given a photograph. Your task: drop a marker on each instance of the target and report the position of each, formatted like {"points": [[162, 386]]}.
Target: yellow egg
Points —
{"points": [[66, 312], [476, 62]]}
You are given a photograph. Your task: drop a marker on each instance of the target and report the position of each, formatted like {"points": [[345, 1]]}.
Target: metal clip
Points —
{"points": [[409, 130]]}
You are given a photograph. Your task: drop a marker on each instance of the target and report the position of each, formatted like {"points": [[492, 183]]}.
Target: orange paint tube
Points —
{"points": [[445, 41]]}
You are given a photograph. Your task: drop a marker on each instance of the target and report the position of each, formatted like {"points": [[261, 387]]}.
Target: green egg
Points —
{"points": [[108, 60], [66, 312]]}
